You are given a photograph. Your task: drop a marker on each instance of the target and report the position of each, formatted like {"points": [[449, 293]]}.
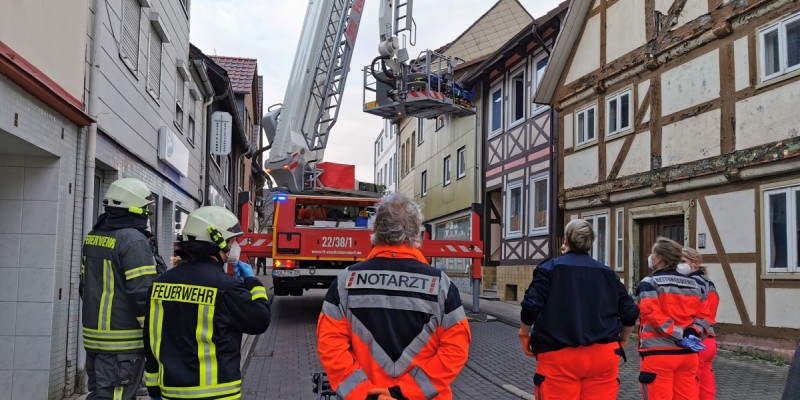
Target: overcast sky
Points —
{"points": [[269, 30]]}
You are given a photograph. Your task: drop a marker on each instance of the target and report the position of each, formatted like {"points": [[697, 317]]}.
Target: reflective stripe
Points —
{"points": [[107, 298], [258, 292], [154, 328], [453, 317], [648, 343], [231, 388], [118, 392], [140, 271], [112, 334], [113, 346], [352, 381], [394, 303], [424, 382], [332, 311], [206, 349], [141, 321], [151, 379]]}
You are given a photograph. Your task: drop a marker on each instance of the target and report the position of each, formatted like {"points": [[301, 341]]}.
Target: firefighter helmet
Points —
{"points": [[212, 224], [129, 193]]}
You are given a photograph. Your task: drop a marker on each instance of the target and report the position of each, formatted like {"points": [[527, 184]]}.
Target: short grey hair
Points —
{"points": [[579, 235], [398, 220]]}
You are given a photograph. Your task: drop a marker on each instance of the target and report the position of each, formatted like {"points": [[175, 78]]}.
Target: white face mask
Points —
{"points": [[684, 269], [234, 252], [650, 262]]}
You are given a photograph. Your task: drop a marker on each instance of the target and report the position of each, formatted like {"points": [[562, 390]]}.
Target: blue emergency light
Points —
{"points": [[279, 197]]}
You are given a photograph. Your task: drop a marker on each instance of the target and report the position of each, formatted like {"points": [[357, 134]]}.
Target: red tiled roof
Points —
{"points": [[240, 70]]}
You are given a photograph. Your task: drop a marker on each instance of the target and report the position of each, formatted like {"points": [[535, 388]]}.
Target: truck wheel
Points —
{"points": [[296, 292], [281, 291]]}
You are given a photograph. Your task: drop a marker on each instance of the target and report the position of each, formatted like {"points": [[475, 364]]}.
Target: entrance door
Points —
{"points": [[649, 230]]}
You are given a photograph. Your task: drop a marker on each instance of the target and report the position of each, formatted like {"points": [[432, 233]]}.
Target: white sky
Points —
{"points": [[269, 30]]}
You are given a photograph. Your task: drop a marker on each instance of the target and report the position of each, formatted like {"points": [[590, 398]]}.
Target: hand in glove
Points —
{"points": [[692, 343], [379, 394], [243, 270]]}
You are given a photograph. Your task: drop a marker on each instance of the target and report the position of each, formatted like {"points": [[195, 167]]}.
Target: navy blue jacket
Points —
{"points": [[574, 301]]}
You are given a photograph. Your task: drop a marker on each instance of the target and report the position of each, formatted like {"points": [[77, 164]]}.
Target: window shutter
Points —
{"points": [[130, 33], [154, 64]]}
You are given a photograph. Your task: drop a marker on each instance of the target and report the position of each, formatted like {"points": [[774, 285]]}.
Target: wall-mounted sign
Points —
{"points": [[221, 136], [172, 151]]}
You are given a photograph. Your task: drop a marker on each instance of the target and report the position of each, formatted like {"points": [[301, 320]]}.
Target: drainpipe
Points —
{"points": [[476, 282], [204, 182]]}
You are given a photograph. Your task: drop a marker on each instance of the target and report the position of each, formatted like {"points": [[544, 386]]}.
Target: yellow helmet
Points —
{"points": [[211, 224], [128, 193]]}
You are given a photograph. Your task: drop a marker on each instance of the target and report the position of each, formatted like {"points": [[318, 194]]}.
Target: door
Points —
{"points": [[650, 230]]}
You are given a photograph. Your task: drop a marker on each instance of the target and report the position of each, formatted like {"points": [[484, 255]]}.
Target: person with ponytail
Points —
{"points": [[705, 372], [671, 326]]}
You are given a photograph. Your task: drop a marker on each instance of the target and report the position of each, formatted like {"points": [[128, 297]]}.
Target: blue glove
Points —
{"points": [[243, 270], [692, 343]]}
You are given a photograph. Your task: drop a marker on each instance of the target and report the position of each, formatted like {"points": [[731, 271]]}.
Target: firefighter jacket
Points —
{"points": [[117, 270], [710, 301], [670, 303], [575, 301], [193, 330], [393, 321]]}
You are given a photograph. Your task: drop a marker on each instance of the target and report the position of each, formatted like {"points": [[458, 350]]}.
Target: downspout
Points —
{"points": [[477, 184], [204, 183]]}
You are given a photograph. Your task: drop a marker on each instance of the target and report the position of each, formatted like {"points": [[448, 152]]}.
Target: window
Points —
{"points": [[461, 163], [780, 48], [393, 162], [539, 202], [441, 121], [782, 238], [539, 66], [186, 4], [154, 64], [379, 178], [179, 98], [129, 46], [413, 151], [618, 113], [192, 115], [517, 110], [420, 132], [446, 171], [600, 246], [402, 159], [496, 110], [585, 125], [423, 189], [619, 252], [513, 213]]}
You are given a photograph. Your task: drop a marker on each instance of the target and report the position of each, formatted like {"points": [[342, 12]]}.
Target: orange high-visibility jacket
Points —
{"points": [[669, 303], [393, 321], [710, 300]]}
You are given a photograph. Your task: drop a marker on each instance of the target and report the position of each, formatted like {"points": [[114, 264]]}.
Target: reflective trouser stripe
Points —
{"points": [[351, 383], [118, 392], [151, 379], [206, 349], [224, 389], [140, 271], [107, 297], [258, 292], [424, 383]]}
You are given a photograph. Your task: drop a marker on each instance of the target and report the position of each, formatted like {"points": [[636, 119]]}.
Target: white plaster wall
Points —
{"points": [[569, 134], [702, 228], [782, 308], [581, 168], [691, 139], [625, 28], [690, 83], [642, 89], [516, 175], [727, 308], [612, 150], [745, 275], [741, 63], [692, 10], [768, 117], [587, 55], [734, 216], [638, 159], [51, 35]]}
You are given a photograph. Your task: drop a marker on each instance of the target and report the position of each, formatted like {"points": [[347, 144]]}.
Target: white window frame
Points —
{"points": [[618, 97], [536, 79], [446, 171], [461, 162], [585, 110], [539, 230], [155, 92], [507, 211], [518, 75], [619, 241], [792, 193], [593, 220], [423, 184], [783, 60], [495, 131], [420, 129], [180, 101]]}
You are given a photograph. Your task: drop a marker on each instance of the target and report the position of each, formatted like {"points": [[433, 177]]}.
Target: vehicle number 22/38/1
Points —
{"points": [[337, 241]]}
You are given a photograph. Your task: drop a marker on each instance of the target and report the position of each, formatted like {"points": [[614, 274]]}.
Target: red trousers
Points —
{"points": [[578, 373], [705, 372], [669, 377]]}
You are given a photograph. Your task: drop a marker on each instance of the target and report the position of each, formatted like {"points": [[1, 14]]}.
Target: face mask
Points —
{"points": [[684, 269], [234, 252], [650, 262]]}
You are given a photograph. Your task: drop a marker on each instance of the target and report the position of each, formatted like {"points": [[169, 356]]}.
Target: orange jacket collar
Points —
{"points": [[397, 251]]}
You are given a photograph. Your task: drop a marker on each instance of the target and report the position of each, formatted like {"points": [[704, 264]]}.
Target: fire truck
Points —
{"points": [[312, 231]]}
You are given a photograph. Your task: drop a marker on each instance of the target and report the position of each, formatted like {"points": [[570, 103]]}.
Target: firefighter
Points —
{"points": [[198, 313], [705, 371], [118, 269], [582, 317], [392, 327], [670, 327]]}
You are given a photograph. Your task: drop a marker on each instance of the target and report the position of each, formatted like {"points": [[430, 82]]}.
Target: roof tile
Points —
{"points": [[240, 70]]}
